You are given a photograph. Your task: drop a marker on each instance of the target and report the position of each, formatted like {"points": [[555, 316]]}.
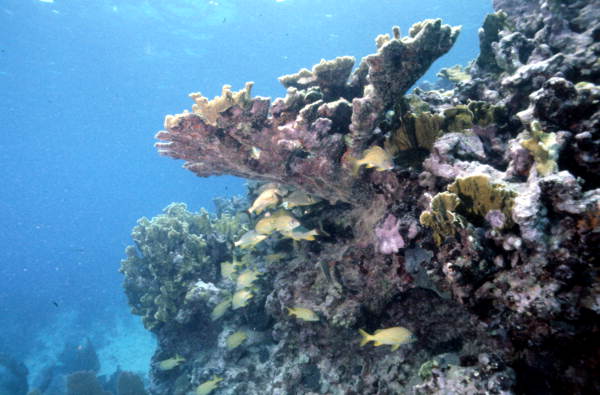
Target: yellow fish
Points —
{"points": [[281, 221], [281, 189], [208, 386], [298, 198], [301, 233], [272, 258], [250, 239], [220, 309], [228, 269], [395, 337], [171, 363], [375, 157], [241, 298], [303, 313], [235, 339], [267, 198], [255, 152], [246, 278]]}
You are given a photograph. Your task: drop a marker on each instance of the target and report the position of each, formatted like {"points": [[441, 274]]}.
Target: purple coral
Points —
{"points": [[389, 240]]}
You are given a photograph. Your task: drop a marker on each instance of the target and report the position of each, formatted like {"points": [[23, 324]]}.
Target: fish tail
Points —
{"points": [[365, 337], [289, 311], [356, 164]]}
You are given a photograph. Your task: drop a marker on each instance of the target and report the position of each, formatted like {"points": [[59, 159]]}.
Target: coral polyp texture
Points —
{"points": [[467, 216]]}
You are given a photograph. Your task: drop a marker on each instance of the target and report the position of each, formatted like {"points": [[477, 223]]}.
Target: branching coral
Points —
{"points": [[295, 136], [172, 252]]}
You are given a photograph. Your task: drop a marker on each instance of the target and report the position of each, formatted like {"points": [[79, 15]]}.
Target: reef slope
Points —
{"points": [[469, 216]]}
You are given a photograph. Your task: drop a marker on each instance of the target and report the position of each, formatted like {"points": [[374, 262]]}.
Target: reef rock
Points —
{"points": [[477, 231]]}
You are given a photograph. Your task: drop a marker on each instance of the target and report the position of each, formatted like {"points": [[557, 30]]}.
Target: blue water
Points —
{"points": [[84, 85]]}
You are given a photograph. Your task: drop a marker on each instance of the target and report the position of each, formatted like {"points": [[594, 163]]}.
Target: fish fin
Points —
{"points": [[365, 337], [377, 344], [395, 347], [356, 164], [289, 311]]}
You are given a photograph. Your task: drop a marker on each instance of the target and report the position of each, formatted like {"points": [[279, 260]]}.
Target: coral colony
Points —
{"points": [[460, 226]]}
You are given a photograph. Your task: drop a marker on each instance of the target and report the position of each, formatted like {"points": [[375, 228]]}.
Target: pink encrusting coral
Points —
{"points": [[389, 239]]}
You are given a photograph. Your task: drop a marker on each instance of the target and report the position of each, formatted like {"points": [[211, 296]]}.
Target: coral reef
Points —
{"points": [[13, 376], [475, 223], [77, 357], [84, 382], [174, 262], [300, 140], [130, 383]]}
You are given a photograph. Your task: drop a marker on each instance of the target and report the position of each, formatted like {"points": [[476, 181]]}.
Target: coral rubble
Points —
{"points": [[475, 225]]}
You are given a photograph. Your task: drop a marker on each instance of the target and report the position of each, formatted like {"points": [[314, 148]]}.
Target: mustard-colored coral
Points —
{"points": [[478, 195], [454, 74], [485, 113], [210, 110], [458, 118], [441, 216], [544, 149], [416, 131], [474, 195]]}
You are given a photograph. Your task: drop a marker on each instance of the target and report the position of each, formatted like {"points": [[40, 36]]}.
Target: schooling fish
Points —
{"points": [[298, 198], [241, 298], [246, 278], [281, 221], [171, 363], [235, 339], [267, 198], [208, 386], [220, 309], [394, 337], [375, 157], [228, 269], [303, 313], [301, 233], [250, 239]]}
